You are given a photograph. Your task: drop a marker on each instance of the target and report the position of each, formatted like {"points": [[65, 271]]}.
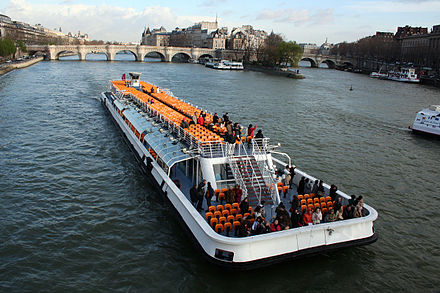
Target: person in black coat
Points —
{"points": [[244, 206], [193, 195], [301, 185], [200, 194], [296, 219]]}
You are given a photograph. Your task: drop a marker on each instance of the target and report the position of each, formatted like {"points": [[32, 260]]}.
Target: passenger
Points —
{"points": [[193, 195], [287, 177], [352, 200], [338, 204], [229, 128], [333, 189], [294, 203], [257, 226], [292, 174], [359, 200], [152, 89], [244, 206], [301, 185], [307, 218], [184, 123], [238, 193], [203, 114], [317, 216], [315, 187], [296, 219], [215, 119], [200, 120], [194, 118], [275, 226], [307, 186], [279, 207], [200, 193], [251, 130], [321, 190], [283, 217], [357, 211], [267, 228], [331, 216], [261, 205], [244, 228], [348, 212], [209, 194], [226, 117], [230, 195], [259, 134], [237, 129], [257, 211], [340, 213]]}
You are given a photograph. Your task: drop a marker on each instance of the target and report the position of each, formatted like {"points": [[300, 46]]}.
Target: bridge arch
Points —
{"points": [[155, 55], [124, 52], [312, 61], [347, 64], [67, 53], [330, 63], [97, 52], [206, 55], [181, 57]]}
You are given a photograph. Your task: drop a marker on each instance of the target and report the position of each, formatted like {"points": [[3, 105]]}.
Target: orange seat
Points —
{"points": [[219, 228], [236, 225], [317, 205], [220, 208], [224, 190], [286, 189], [231, 219], [235, 206], [300, 197], [329, 208], [225, 213], [238, 217], [316, 200], [234, 212], [324, 210], [329, 204], [247, 215], [306, 196], [250, 210], [214, 221], [211, 209], [310, 206], [280, 188], [328, 198], [228, 206], [217, 214], [303, 202], [222, 220], [312, 194], [216, 192], [208, 216], [309, 201], [303, 208], [228, 228], [322, 199], [221, 196], [323, 205], [279, 184]]}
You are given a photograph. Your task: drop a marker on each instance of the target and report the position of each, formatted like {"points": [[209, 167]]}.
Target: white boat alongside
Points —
{"points": [[378, 75], [178, 157], [228, 65], [404, 75], [428, 121]]}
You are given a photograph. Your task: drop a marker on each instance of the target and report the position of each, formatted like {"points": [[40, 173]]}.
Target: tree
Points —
{"points": [[7, 47], [21, 46], [289, 52], [269, 50]]}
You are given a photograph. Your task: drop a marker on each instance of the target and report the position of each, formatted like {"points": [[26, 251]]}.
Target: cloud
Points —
{"points": [[210, 3], [102, 21], [297, 16], [400, 6]]}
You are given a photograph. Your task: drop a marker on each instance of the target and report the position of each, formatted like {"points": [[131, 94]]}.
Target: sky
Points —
{"points": [[303, 21]]}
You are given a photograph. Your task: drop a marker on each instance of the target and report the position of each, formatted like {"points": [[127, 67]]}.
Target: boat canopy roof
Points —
{"points": [[135, 75]]}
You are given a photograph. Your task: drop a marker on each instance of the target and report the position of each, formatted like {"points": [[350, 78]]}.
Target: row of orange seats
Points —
{"points": [[199, 132]]}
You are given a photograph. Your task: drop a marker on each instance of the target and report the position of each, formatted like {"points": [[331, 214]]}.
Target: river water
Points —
{"points": [[77, 214]]}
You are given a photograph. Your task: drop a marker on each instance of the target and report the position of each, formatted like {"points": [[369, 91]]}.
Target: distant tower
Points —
{"points": [[216, 19]]}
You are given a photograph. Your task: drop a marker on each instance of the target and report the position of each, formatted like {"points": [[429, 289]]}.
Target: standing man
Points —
{"points": [[200, 194]]}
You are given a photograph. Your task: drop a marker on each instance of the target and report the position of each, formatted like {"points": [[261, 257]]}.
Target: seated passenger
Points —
{"points": [[352, 200], [333, 189], [294, 203], [357, 211], [338, 204], [296, 219], [257, 226], [317, 216], [307, 218], [257, 211], [348, 212], [184, 123], [340, 213], [275, 226], [244, 206], [331, 216]]}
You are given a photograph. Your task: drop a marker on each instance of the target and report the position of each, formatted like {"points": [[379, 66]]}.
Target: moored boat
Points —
{"points": [[427, 121], [178, 155]]}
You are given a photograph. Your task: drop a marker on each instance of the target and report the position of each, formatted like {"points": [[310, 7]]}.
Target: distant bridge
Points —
{"points": [[53, 52], [332, 61]]}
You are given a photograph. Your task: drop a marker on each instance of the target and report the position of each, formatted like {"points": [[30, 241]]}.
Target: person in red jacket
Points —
{"points": [[251, 130], [275, 226], [308, 217], [200, 120]]}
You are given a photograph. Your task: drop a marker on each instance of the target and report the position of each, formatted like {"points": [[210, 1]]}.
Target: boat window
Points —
{"points": [[223, 175]]}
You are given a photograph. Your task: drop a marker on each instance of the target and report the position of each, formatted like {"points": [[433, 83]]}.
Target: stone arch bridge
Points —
{"points": [[332, 61], [53, 52]]}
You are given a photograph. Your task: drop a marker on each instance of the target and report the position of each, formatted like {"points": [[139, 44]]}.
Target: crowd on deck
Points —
{"points": [[232, 132]]}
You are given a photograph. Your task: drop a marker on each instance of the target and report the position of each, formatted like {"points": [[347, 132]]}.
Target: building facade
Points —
{"points": [[422, 49]]}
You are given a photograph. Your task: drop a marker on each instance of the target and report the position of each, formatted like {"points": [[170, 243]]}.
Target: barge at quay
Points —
{"points": [[177, 157]]}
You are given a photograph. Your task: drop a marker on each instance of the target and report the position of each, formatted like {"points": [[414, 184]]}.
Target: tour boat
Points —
{"points": [[177, 157], [428, 121], [228, 65], [404, 75]]}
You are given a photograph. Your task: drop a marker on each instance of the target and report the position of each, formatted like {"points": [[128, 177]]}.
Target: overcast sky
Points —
{"points": [[304, 21]]}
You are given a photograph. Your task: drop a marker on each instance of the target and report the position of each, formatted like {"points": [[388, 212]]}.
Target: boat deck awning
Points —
{"points": [[169, 151]]}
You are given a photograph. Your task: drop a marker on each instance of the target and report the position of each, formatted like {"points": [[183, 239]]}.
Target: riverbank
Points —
{"points": [[11, 66], [272, 71]]}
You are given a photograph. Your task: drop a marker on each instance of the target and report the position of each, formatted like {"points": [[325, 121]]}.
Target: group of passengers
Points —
{"points": [[198, 194]]}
